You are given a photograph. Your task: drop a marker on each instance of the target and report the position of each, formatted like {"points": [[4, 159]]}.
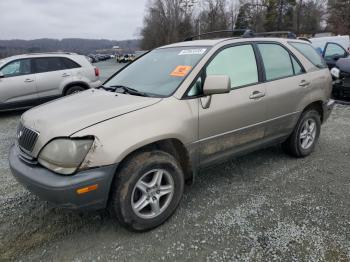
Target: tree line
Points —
{"points": [[77, 45], [168, 21]]}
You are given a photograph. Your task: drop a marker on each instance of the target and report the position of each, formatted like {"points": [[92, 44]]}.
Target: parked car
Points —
{"points": [[336, 56], [133, 143], [333, 52], [94, 58], [32, 79], [321, 42], [125, 58], [341, 84]]}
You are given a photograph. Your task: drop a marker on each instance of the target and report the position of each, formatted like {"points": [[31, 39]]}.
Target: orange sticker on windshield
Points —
{"points": [[181, 71]]}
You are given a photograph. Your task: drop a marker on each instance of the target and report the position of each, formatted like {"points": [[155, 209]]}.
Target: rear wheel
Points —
{"points": [[147, 190], [303, 140], [73, 90]]}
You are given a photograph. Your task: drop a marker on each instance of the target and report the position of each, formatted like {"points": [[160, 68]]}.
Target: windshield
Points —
{"points": [[160, 72]]}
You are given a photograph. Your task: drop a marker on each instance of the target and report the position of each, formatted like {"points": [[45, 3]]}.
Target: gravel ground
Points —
{"points": [[262, 207]]}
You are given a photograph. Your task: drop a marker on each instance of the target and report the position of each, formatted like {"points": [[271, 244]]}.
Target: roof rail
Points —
{"points": [[235, 32], [51, 53], [287, 34], [247, 33]]}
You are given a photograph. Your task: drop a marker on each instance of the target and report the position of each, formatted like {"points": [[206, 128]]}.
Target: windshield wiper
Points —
{"points": [[126, 89]]}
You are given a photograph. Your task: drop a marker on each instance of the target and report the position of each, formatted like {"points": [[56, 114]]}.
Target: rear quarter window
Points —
{"points": [[68, 63], [310, 53]]}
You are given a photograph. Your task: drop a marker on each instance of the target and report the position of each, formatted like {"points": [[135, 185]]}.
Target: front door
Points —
{"points": [[232, 122], [17, 84]]}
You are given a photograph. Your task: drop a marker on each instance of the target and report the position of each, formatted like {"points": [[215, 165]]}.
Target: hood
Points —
{"points": [[67, 115]]}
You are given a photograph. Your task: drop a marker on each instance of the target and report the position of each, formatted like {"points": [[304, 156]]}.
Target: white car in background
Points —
{"points": [[321, 42], [332, 48], [31, 79]]}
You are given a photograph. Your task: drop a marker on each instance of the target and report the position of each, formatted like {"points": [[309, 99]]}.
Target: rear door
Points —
{"points": [[51, 75], [17, 86], [234, 121], [286, 85]]}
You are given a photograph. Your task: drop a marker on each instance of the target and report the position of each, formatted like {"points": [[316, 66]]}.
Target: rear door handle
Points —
{"points": [[28, 80], [65, 74], [257, 95], [304, 83]]}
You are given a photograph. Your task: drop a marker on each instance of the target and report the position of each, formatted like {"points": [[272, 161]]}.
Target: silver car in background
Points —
{"points": [[31, 79]]}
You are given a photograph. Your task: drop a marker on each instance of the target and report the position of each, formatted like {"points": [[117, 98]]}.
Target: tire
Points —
{"points": [[295, 145], [73, 90], [137, 175]]}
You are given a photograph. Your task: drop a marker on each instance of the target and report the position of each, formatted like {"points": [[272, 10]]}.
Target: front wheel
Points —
{"points": [[147, 190], [304, 138]]}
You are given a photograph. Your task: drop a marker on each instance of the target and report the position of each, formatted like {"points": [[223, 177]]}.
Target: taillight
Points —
{"points": [[97, 71]]}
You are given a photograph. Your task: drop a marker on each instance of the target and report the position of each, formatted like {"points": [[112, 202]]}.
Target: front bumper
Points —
{"points": [[327, 109], [61, 190]]}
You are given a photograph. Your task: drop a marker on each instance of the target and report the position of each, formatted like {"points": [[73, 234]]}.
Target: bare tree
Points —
{"points": [[215, 16], [165, 22], [339, 16]]}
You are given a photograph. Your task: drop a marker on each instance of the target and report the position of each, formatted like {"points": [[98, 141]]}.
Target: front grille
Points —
{"points": [[26, 138]]}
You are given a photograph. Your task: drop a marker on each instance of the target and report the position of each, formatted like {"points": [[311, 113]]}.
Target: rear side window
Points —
{"points": [[49, 64], [277, 61], [238, 63], [310, 53]]}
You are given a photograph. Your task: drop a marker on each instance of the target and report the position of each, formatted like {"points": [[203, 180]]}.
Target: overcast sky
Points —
{"points": [[109, 19]]}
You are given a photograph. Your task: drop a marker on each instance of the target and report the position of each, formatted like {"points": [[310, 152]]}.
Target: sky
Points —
{"points": [[96, 19]]}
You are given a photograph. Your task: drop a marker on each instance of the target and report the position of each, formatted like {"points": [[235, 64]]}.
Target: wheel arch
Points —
{"points": [[75, 83], [171, 146], [318, 106]]}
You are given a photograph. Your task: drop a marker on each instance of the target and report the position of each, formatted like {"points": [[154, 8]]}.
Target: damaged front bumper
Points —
{"points": [[62, 191]]}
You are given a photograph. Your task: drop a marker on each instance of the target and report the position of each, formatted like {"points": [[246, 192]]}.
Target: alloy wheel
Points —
{"points": [[152, 194], [308, 133]]}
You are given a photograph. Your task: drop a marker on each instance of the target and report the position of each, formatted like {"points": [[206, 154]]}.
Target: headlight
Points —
{"points": [[63, 155]]}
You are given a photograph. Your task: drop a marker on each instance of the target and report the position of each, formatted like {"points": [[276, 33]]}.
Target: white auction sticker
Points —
{"points": [[193, 51]]}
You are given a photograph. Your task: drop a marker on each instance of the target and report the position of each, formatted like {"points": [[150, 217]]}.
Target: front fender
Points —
{"points": [[118, 137]]}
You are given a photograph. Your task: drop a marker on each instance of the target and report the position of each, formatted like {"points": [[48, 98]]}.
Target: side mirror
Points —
{"points": [[217, 84], [2, 75]]}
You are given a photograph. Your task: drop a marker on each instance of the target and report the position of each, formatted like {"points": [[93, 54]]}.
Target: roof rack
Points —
{"points": [[286, 34], [247, 33], [235, 32]]}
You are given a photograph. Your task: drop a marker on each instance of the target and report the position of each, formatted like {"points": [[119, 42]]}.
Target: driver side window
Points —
{"points": [[237, 62], [17, 68]]}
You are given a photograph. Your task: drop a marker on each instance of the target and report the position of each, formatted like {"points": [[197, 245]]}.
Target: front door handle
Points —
{"points": [[304, 83], [28, 80], [65, 74], [257, 95]]}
